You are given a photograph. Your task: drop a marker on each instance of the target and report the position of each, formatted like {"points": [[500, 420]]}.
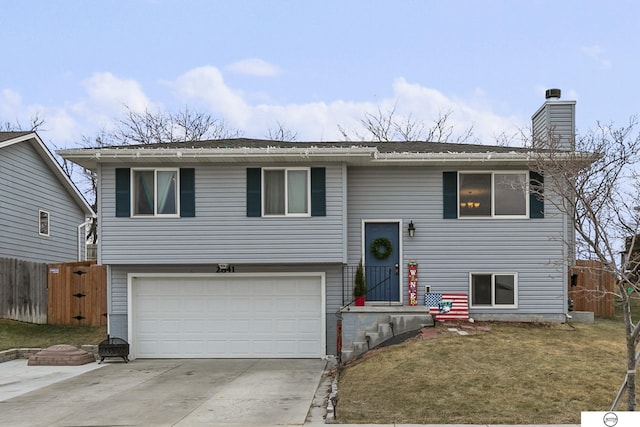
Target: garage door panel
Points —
{"points": [[194, 348], [307, 305], [264, 304], [227, 317], [240, 327], [264, 326], [194, 326]]}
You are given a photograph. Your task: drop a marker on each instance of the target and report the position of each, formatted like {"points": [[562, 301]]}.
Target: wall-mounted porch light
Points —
{"points": [[411, 229]]}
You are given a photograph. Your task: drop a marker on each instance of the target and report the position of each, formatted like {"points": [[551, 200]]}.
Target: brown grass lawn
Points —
{"points": [[513, 374], [28, 335]]}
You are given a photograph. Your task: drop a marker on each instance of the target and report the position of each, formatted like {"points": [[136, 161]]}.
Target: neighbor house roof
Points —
{"points": [[6, 136], [255, 150], [10, 138]]}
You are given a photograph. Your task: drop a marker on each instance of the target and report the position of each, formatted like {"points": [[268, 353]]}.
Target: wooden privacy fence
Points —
{"points": [[77, 294], [593, 290], [23, 290]]}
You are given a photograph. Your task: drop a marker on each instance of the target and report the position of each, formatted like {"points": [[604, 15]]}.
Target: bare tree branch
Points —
{"points": [[281, 133], [35, 123], [388, 126], [596, 185], [156, 127]]}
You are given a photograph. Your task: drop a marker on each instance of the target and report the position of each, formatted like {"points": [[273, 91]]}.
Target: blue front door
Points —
{"points": [[382, 262]]}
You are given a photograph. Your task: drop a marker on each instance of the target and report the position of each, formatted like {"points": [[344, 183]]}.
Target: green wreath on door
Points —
{"points": [[381, 242]]}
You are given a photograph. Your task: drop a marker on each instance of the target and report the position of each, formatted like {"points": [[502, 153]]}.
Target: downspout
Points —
{"points": [[565, 268], [345, 215], [82, 240]]}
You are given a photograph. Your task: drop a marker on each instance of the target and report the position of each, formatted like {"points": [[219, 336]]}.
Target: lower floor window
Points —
{"points": [[493, 290]]}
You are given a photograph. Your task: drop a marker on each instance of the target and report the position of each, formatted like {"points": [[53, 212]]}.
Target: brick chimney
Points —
{"points": [[555, 120]]}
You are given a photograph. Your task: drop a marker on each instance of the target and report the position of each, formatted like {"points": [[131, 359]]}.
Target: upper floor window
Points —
{"points": [[486, 194], [155, 192], [286, 191], [43, 223]]}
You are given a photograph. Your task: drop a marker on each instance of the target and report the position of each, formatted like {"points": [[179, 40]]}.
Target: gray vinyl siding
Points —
{"points": [[221, 232], [556, 119], [117, 303], [447, 250], [27, 185]]}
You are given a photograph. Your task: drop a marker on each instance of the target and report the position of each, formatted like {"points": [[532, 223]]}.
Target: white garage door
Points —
{"points": [[227, 316]]}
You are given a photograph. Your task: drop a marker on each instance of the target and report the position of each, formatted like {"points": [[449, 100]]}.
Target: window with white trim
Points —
{"points": [[286, 192], [493, 194], [498, 290], [43, 222], [155, 192]]}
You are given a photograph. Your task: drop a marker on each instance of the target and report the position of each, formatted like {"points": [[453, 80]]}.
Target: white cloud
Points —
{"points": [[204, 89], [319, 121], [10, 100], [58, 123], [597, 53], [11, 109], [65, 124], [111, 93], [107, 97], [206, 85], [254, 67]]}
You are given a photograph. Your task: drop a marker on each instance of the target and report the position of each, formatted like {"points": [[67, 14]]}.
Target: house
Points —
{"points": [[41, 210], [246, 248]]}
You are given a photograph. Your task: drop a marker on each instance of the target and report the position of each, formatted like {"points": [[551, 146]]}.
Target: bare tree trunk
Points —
{"points": [[631, 349], [631, 375]]}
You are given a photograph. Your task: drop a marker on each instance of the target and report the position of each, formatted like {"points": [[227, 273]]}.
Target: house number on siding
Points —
{"points": [[225, 268]]}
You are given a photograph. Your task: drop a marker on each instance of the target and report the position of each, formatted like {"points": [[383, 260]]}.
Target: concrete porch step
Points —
{"points": [[402, 323], [386, 328], [383, 333]]}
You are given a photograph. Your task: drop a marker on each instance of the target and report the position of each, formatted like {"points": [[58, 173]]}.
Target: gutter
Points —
{"points": [[354, 154]]}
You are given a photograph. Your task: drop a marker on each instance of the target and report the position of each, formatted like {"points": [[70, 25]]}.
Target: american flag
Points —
{"points": [[446, 306]]}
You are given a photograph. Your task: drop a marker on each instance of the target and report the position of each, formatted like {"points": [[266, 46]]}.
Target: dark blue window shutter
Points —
{"points": [[187, 192], [254, 190], [536, 198], [450, 195], [123, 192], [318, 192]]}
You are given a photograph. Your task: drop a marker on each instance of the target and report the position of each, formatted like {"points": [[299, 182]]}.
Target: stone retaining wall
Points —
{"points": [[25, 353]]}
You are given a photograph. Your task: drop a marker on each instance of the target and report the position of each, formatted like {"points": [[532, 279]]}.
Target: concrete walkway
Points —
{"points": [[16, 378], [176, 393]]}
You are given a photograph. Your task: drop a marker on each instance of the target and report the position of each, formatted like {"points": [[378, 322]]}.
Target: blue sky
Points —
{"points": [[313, 65]]}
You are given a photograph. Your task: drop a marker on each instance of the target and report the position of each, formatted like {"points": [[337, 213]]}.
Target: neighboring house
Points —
{"points": [[41, 210], [246, 248]]}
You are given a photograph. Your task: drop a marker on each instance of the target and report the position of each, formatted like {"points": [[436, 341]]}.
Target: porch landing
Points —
{"points": [[364, 328]]}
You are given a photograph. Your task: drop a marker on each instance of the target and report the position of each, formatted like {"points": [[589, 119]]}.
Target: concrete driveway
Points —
{"points": [[181, 393]]}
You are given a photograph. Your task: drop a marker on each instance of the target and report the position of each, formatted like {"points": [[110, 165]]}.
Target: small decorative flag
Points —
{"points": [[447, 306]]}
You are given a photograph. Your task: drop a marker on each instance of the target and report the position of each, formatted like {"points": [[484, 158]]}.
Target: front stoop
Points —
{"points": [[410, 322], [366, 328]]}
